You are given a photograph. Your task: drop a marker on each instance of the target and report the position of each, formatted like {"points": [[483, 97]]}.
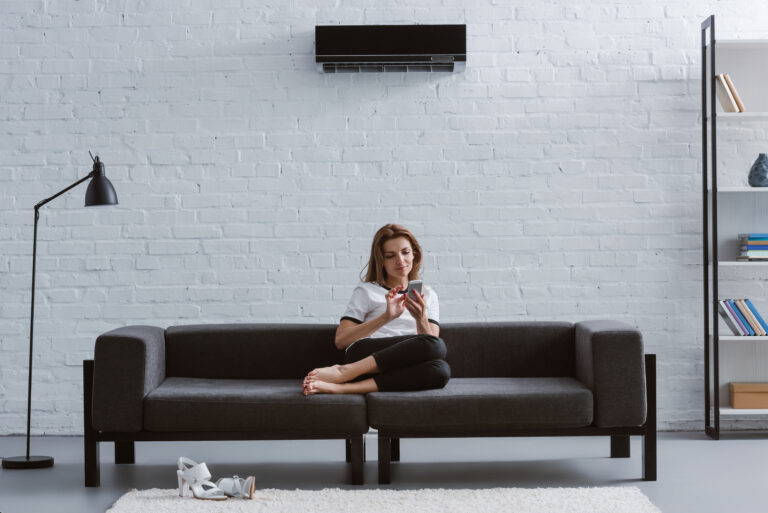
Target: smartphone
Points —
{"points": [[413, 285]]}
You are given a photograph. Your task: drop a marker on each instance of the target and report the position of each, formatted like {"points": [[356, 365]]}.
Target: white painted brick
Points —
{"points": [[558, 170], [172, 247]]}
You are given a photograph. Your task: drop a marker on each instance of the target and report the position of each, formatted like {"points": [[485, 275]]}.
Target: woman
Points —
{"points": [[390, 339]]}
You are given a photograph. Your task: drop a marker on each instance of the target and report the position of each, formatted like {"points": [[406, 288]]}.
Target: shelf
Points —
{"points": [[741, 189], [741, 116], [740, 209], [731, 263], [738, 338], [742, 44], [727, 411]]}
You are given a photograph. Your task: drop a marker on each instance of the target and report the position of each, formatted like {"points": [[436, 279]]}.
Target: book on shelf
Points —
{"points": [[724, 94], [753, 255], [735, 95], [757, 314], [750, 318], [739, 321], [729, 319], [742, 318], [753, 246]]}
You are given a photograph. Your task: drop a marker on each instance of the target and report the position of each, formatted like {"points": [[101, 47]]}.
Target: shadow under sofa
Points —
{"points": [[243, 382]]}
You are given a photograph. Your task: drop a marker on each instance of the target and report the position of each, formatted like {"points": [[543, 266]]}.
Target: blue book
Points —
{"points": [[756, 314], [736, 316], [755, 236], [740, 316]]}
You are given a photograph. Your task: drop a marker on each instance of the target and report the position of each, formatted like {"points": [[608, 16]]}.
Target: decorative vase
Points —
{"points": [[758, 173]]}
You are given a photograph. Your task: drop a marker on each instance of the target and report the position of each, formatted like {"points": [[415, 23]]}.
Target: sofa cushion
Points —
{"points": [[484, 405], [274, 407]]}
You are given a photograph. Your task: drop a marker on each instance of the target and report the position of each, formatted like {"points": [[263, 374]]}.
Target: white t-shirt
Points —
{"points": [[369, 301]]}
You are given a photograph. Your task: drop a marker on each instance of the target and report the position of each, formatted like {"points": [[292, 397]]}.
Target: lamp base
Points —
{"points": [[22, 462]]}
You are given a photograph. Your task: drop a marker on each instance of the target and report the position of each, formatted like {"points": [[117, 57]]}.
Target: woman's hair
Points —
{"points": [[376, 272]]}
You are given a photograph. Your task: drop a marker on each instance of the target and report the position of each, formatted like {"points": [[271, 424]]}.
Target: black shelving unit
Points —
{"points": [[743, 208]]}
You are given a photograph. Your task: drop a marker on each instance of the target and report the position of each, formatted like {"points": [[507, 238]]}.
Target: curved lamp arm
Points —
{"points": [[40, 204]]}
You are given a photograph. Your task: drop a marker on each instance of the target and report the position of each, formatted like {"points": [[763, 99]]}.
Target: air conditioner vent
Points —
{"points": [[358, 67]]}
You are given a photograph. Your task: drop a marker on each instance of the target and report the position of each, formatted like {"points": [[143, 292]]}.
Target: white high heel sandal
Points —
{"points": [[237, 486], [195, 476]]}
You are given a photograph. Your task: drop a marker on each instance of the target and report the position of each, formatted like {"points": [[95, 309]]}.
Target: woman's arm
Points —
{"points": [[349, 331], [427, 327]]}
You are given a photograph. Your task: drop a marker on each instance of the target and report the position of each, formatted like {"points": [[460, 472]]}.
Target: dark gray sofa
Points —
{"points": [[243, 382]]}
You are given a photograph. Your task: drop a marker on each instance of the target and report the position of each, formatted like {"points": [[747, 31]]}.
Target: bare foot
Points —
{"points": [[321, 387], [332, 374]]}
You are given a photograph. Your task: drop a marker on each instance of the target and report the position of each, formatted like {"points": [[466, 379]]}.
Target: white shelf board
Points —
{"points": [[737, 338], [727, 411], [741, 116], [741, 189], [753, 263], [742, 44]]}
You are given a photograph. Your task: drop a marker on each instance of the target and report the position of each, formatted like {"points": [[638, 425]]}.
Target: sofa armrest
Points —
{"points": [[129, 362], [609, 360]]}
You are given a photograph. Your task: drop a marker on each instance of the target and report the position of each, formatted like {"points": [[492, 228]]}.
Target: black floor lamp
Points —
{"points": [[99, 192]]}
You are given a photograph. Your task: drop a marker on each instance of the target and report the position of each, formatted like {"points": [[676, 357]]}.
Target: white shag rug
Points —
{"points": [[623, 499]]}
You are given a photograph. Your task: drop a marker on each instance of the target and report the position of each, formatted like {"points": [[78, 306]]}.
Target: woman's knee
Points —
{"points": [[440, 373], [435, 347], [359, 350]]}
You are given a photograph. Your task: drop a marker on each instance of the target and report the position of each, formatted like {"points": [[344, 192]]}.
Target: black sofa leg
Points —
{"points": [[90, 443], [619, 446], [357, 453], [125, 452], [649, 439], [348, 449], [385, 452], [92, 471], [395, 452]]}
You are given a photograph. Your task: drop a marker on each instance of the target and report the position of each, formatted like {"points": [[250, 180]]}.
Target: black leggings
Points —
{"points": [[407, 362]]}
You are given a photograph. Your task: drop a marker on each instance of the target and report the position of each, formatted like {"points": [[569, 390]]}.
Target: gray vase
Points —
{"points": [[758, 173]]}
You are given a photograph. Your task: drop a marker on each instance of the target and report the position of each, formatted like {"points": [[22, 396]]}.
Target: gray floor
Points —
{"points": [[696, 474]]}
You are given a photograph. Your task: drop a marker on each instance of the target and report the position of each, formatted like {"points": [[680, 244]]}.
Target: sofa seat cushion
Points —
{"points": [[484, 405], [275, 407]]}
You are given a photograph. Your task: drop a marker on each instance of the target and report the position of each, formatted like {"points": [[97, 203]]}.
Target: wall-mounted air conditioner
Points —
{"points": [[372, 48]]}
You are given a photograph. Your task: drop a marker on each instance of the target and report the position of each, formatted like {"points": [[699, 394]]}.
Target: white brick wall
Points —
{"points": [[557, 178]]}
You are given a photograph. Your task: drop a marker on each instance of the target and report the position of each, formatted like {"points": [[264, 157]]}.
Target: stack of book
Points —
{"points": [[753, 246], [726, 93], [742, 317]]}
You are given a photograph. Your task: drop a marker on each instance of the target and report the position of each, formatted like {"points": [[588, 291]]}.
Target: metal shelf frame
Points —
{"points": [[711, 261]]}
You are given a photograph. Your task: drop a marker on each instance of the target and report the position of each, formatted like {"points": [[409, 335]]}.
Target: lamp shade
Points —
{"points": [[100, 190]]}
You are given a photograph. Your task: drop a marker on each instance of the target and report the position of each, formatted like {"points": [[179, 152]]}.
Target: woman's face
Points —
{"points": [[398, 258]]}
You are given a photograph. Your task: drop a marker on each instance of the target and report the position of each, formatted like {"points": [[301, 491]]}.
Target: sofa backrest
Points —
{"points": [[510, 349], [249, 351], [290, 351]]}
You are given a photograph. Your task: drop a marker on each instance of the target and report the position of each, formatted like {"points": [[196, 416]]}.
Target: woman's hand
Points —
{"points": [[416, 306], [395, 304]]}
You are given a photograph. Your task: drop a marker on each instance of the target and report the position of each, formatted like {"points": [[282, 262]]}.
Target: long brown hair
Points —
{"points": [[376, 272]]}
